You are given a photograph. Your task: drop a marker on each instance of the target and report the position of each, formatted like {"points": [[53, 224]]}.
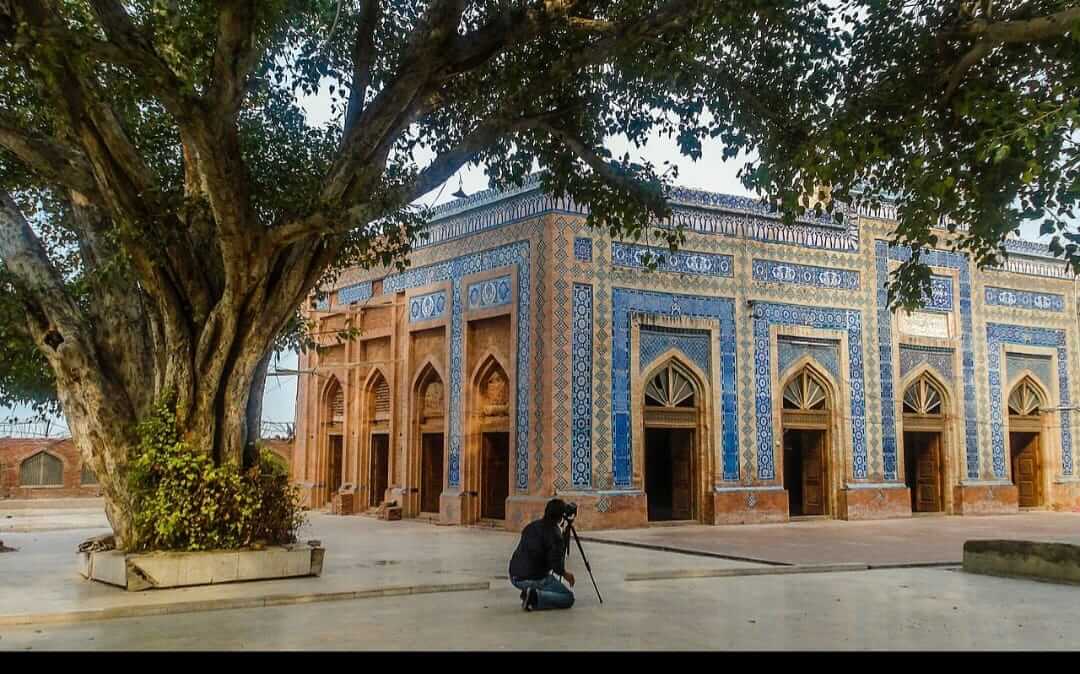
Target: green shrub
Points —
{"points": [[184, 501]]}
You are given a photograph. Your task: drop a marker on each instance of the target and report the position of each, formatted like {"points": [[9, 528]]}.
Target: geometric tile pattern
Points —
{"points": [[583, 249], [912, 357], [941, 294], [511, 255], [354, 293], [822, 277], [825, 352], [694, 344], [582, 381], [682, 262], [1023, 299], [883, 252], [767, 314], [490, 293], [627, 303], [427, 307], [998, 334], [1015, 363]]}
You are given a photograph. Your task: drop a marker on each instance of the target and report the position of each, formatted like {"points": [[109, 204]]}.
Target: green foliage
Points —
{"points": [[184, 501]]}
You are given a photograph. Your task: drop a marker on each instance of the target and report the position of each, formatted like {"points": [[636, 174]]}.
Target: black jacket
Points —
{"points": [[539, 552]]}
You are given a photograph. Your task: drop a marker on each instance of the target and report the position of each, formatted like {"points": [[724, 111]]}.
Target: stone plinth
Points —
{"points": [[157, 570], [876, 503], [986, 499], [751, 505]]}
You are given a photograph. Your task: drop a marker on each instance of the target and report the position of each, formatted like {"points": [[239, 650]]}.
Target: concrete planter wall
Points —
{"points": [[1055, 562], [156, 570]]}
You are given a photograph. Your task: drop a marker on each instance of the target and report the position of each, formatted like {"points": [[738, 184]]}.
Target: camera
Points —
{"points": [[569, 512]]}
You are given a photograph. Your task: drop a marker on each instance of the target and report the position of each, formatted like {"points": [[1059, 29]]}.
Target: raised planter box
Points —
{"points": [[157, 570], [1057, 562]]}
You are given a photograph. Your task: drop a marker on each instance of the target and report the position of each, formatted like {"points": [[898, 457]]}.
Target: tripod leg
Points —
{"points": [[586, 560]]}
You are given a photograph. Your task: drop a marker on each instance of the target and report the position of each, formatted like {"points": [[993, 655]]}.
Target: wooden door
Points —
{"points": [[495, 476], [336, 461], [431, 479], [928, 475], [813, 472], [380, 468], [682, 447], [1026, 469]]}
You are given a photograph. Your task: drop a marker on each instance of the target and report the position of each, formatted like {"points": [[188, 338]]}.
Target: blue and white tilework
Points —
{"points": [[583, 248], [1015, 363], [654, 341], [843, 320], [490, 293], [511, 255], [998, 334], [912, 357], [1007, 297], [581, 388], [427, 307], [354, 293], [936, 258], [681, 262], [825, 352], [941, 294], [770, 271], [627, 303]]}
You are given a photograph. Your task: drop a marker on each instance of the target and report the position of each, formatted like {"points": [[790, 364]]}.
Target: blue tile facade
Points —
{"points": [[826, 353], [512, 255], [627, 303], [681, 262], [427, 307], [912, 357], [883, 253], [1007, 297], [354, 293], [694, 345], [841, 320], [1040, 366], [582, 382], [941, 294], [583, 249], [771, 271], [998, 335], [490, 293]]}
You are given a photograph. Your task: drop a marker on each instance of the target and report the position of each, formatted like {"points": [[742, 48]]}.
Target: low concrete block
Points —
{"points": [[137, 572], [1057, 562]]}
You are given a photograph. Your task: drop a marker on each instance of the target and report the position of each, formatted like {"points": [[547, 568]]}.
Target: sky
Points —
{"points": [[710, 173]]}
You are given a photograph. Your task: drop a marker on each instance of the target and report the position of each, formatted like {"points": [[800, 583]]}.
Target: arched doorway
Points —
{"points": [[806, 411], [1026, 402], [430, 410], [377, 412], [491, 420], [333, 424], [673, 404], [924, 444]]}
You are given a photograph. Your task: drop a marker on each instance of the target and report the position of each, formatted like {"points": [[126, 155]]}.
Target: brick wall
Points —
{"points": [[13, 451]]}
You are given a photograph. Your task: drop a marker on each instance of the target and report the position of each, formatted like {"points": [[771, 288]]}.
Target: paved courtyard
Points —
{"points": [[894, 608]]}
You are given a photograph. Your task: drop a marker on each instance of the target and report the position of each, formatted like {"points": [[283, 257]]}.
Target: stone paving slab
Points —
{"points": [[881, 543], [362, 555]]}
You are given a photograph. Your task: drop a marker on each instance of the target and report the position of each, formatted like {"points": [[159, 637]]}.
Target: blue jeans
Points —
{"points": [[550, 592]]}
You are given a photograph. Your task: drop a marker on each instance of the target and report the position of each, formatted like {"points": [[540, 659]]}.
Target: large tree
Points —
{"points": [[166, 205]]}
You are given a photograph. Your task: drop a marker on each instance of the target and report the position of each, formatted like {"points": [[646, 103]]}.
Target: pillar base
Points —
{"points": [[1065, 496], [750, 505], [986, 499], [886, 502]]}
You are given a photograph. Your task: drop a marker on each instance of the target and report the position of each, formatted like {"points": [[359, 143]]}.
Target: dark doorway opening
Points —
{"points": [[669, 473], [1024, 450], [337, 460], [380, 468], [494, 475], [804, 471], [922, 471], [431, 479]]}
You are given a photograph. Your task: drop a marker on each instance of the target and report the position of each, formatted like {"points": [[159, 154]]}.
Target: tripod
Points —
{"points": [[570, 530]]}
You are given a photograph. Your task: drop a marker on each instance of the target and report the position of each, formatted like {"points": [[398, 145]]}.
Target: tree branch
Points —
{"points": [[235, 55], [363, 55], [1018, 31], [51, 159]]}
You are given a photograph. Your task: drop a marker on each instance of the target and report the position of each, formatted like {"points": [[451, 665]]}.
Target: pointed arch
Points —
{"points": [[42, 469], [491, 387], [429, 393], [1027, 397], [671, 384], [807, 388], [377, 397], [925, 395]]}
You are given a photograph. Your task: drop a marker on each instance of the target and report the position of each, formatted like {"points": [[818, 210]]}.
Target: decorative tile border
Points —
{"points": [[490, 293], [627, 303], [941, 294], [583, 248], [883, 252], [767, 314], [511, 255], [582, 382], [681, 262], [354, 293], [654, 341], [427, 307], [912, 357], [1023, 299], [772, 271], [998, 334]]}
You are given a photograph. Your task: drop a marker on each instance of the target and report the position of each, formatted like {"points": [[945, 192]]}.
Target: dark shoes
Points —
{"points": [[529, 599]]}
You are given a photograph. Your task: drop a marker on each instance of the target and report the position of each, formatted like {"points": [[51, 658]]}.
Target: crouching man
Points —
{"points": [[537, 563]]}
